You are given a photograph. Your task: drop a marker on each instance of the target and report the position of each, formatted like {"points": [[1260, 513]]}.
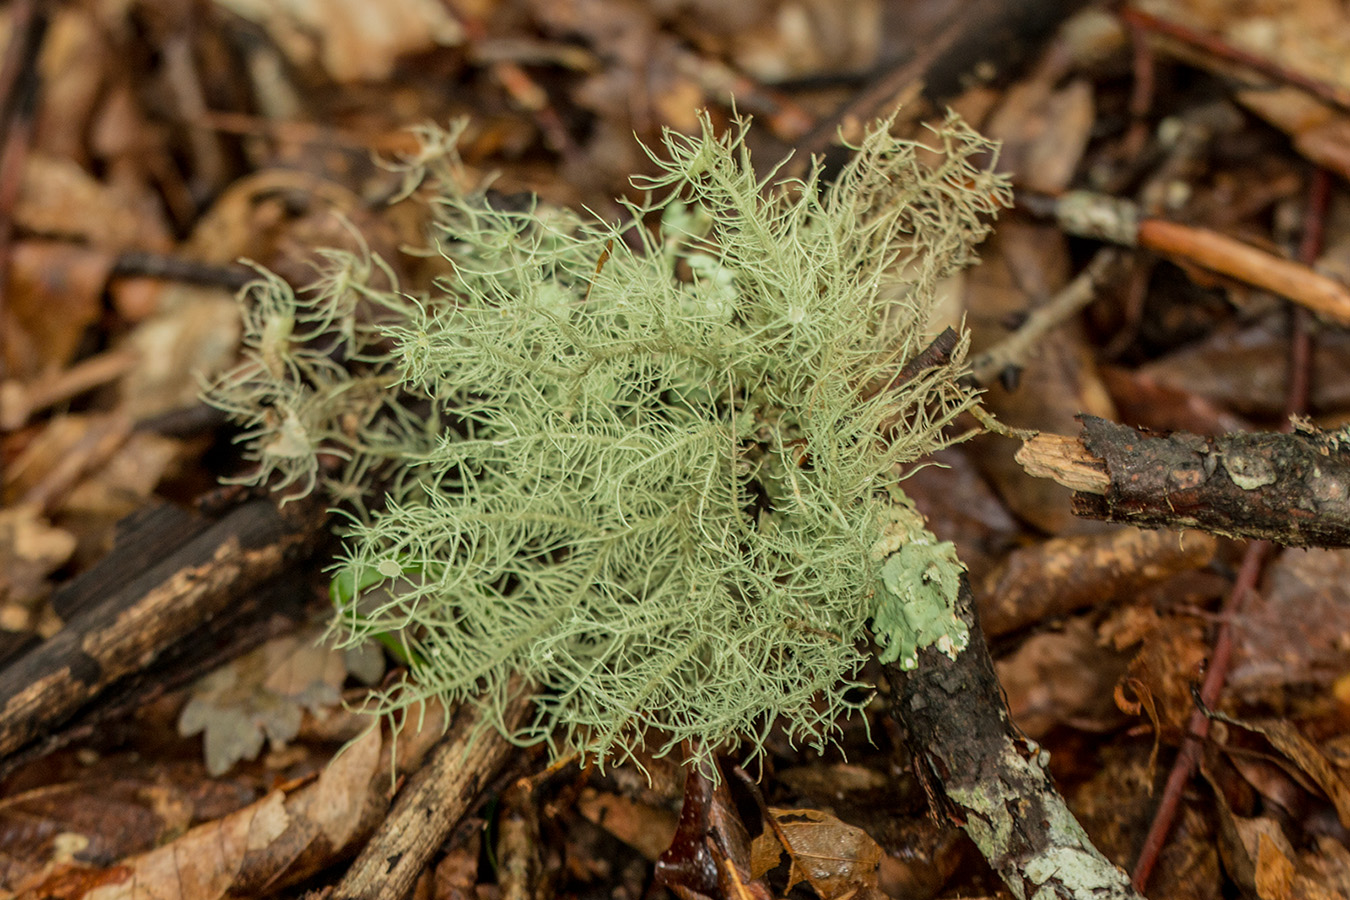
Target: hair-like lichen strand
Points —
{"points": [[646, 478]]}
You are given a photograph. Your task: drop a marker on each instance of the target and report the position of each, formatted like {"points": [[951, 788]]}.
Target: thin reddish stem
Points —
{"points": [[1319, 192]]}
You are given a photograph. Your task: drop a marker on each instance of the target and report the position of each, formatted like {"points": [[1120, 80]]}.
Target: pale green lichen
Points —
{"points": [[915, 601], [643, 468], [1067, 865]]}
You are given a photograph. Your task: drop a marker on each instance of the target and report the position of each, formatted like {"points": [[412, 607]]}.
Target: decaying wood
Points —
{"points": [[267, 611], [968, 754], [430, 805], [1062, 458], [139, 617], [1291, 489], [144, 538]]}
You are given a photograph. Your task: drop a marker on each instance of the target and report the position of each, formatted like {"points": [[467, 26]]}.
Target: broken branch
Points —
{"points": [[1292, 489]]}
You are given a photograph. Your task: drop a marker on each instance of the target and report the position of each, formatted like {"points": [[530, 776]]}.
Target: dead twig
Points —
{"points": [[1216, 47], [1107, 218], [1013, 350], [430, 805], [1292, 489], [20, 401]]}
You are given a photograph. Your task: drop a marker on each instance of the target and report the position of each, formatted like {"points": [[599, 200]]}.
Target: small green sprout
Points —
{"points": [[348, 586], [650, 469]]}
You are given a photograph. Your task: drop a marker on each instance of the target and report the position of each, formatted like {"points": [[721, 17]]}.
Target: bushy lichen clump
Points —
{"points": [[648, 465]]}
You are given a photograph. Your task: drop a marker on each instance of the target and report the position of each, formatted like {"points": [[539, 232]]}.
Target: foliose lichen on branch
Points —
{"points": [[648, 467]]}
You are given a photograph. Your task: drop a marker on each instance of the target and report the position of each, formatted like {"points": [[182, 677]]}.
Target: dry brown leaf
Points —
{"points": [[61, 455], [262, 696], [1324, 871], [839, 860], [457, 873], [1319, 132], [1145, 402], [75, 63], [55, 293], [278, 218], [100, 812], [126, 479], [343, 789], [194, 337], [30, 550], [1241, 369], [255, 850], [1260, 859], [352, 40], [837, 781], [91, 470], [59, 199], [647, 829], [1166, 669], [222, 858], [1274, 868], [1269, 857], [1044, 130], [800, 38], [1116, 803], [1306, 758], [1062, 677], [201, 865], [1293, 640]]}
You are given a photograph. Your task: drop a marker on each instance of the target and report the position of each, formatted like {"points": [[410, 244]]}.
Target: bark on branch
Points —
{"points": [[993, 782], [1292, 489]]}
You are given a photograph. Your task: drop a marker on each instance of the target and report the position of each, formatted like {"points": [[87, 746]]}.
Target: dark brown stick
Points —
{"points": [[991, 781], [1197, 727], [1291, 489], [132, 626], [430, 805], [1300, 353], [146, 264]]}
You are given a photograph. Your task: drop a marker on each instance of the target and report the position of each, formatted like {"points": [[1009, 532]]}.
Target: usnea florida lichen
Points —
{"points": [[649, 468]]}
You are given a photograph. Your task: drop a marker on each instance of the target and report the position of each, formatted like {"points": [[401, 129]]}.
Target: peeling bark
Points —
{"points": [[1291, 489]]}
